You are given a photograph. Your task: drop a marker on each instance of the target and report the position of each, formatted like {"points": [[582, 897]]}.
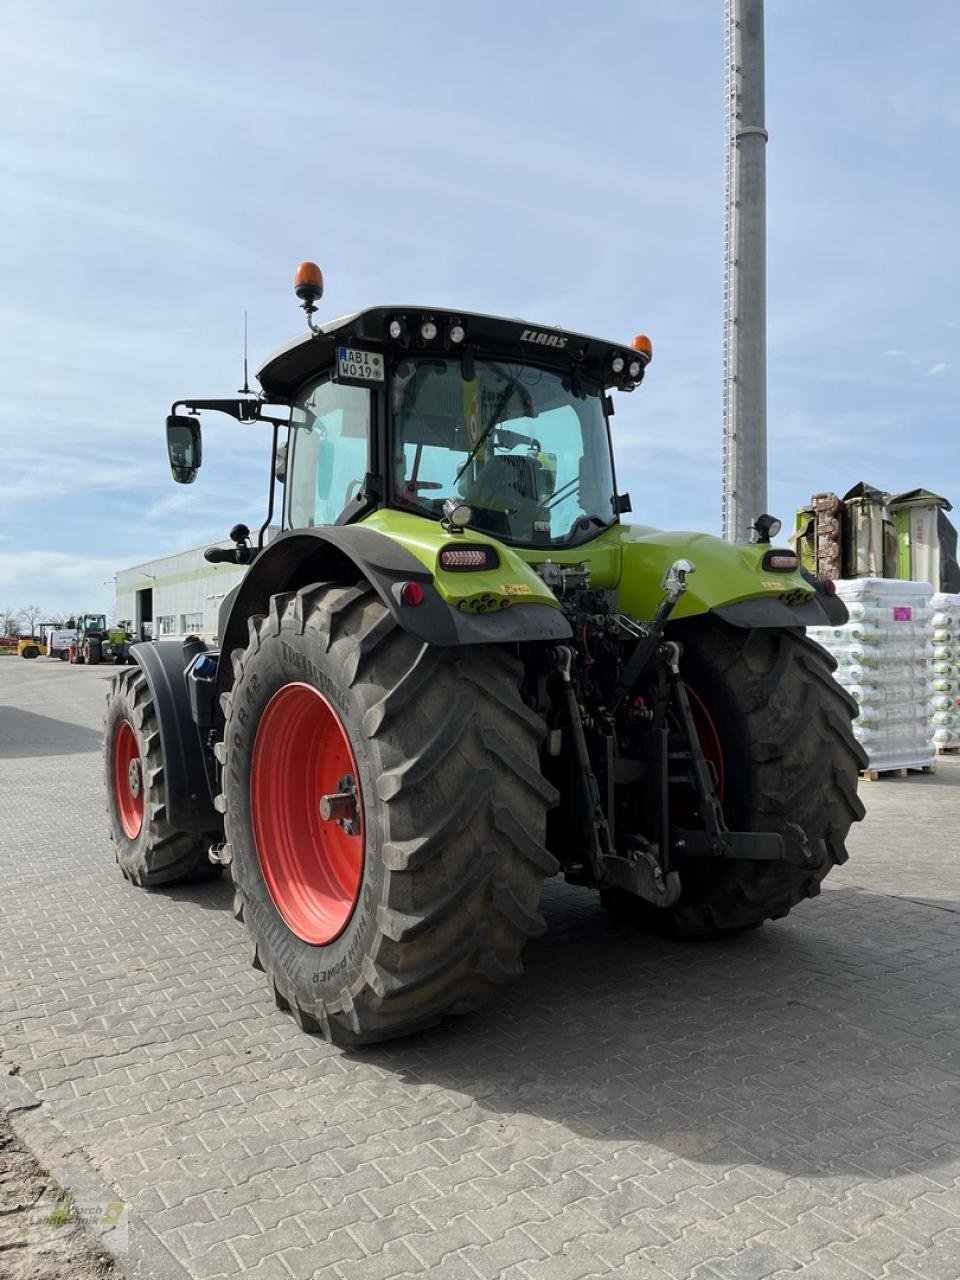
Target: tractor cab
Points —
{"points": [[92, 623], [460, 418], [512, 449]]}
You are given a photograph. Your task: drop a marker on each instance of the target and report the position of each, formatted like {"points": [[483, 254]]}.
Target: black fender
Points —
{"points": [[346, 553], [185, 758], [822, 610]]}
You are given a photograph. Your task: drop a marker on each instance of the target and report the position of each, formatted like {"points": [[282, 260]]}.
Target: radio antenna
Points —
{"points": [[245, 389]]}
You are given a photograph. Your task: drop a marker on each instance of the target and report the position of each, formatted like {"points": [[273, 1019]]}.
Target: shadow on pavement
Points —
{"points": [[823, 1046], [214, 894], [25, 735]]}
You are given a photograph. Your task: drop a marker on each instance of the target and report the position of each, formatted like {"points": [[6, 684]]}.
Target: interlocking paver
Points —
{"points": [[783, 1105]]}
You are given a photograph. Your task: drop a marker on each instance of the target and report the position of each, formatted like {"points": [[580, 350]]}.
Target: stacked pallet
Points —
{"points": [[945, 700], [828, 540], [884, 659]]}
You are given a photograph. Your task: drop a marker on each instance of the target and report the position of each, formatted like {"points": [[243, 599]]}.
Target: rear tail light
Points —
{"points": [[781, 561], [460, 558]]}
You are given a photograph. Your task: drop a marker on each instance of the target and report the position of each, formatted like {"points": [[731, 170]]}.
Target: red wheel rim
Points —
{"points": [[709, 738], [684, 804], [311, 865], [128, 779]]}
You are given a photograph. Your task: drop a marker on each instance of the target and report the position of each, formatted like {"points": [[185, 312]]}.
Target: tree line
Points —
{"points": [[25, 620]]}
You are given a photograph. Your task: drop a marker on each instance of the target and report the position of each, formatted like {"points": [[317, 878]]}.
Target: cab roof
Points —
{"points": [[505, 337]]}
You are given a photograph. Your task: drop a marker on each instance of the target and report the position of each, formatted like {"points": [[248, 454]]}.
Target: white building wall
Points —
{"points": [[187, 593]]}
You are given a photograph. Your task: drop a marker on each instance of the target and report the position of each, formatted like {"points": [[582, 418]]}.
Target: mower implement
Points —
{"points": [[456, 671]]}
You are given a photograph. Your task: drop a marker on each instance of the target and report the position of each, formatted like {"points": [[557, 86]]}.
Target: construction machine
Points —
{"points": [[51, 639]]}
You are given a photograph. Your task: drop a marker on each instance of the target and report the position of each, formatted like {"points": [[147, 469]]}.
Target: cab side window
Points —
{"points": [[328, 452]]}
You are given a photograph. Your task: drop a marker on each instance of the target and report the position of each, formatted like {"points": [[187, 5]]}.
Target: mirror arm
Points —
{"points": [[242, 410]]}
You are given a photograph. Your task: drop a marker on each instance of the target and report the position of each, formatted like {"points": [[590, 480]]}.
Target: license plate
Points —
{"points": [[359, 367]]}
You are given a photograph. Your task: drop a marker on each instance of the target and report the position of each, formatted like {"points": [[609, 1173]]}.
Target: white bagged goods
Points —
{"points": [[885, 656], [945, 701]]}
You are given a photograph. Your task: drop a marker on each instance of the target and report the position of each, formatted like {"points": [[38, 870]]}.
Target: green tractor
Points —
{"points": [[456, 672]]}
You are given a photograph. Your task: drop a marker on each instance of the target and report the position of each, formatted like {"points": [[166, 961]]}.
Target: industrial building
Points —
{"points": [[176, 595]]}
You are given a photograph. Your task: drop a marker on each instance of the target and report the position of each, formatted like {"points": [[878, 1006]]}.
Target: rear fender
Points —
{"points": [[730, 581], [186, 761], [349, 553]]}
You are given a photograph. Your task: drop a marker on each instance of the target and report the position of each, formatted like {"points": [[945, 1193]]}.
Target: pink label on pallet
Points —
{"points": [[902, 613]]}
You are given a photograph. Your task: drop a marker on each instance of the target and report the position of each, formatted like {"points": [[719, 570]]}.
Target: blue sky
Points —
{"points": [[165, 167]]}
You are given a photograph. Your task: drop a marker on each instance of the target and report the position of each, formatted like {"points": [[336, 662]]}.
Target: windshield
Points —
{"points": [[530, 457]]}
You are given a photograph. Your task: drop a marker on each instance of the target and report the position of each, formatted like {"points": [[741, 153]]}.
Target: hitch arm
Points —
{"points": [[713, 820], [674, 585], [600, 843]]}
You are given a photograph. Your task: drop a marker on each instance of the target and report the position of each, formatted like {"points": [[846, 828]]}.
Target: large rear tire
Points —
{"points": [[420, 899], [789, 756], [31, 651], [148, 849]]}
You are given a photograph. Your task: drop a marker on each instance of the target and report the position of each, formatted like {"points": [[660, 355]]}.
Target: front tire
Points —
{"points": [[789, 756], [31, 651], [148, 849], [441, 873]]}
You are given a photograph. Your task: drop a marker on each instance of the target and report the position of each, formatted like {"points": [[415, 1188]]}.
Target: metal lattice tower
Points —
{"points": [[745, 283]]}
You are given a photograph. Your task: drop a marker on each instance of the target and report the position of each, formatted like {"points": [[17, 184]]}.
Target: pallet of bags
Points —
{"points": [[945, 680], [884, 656]]}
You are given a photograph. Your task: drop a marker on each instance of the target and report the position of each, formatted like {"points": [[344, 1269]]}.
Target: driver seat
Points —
{"points": [[508, 487]]}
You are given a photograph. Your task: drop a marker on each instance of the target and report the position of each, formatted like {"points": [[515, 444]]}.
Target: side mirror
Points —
{"points": [[183, 447]]}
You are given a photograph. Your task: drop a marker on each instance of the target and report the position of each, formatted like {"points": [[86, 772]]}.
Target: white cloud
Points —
{"points": [[58, 579], [895, 352], [936, 368]]}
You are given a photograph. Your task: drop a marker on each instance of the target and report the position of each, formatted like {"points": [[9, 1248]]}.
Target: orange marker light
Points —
{"points": [[308, 282], [643, 344]]}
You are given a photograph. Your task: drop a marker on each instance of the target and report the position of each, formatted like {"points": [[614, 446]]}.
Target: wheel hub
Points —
{"points": [[134, 777], [342, 807]]}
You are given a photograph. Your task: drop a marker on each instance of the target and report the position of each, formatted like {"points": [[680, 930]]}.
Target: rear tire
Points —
{"points": [[31, 651], [789, 756], [453, 810], [154, 852]]}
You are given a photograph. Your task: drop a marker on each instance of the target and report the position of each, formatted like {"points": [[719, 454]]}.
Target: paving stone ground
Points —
{"points": [[783, 1104]]}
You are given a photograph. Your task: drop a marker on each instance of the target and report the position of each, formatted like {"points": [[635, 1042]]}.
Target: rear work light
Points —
{"points": [[461, 558], [781, 562]]}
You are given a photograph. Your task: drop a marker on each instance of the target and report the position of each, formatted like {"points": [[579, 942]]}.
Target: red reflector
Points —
{"points": [[830, 587], [411, 593], [463, 557]]}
